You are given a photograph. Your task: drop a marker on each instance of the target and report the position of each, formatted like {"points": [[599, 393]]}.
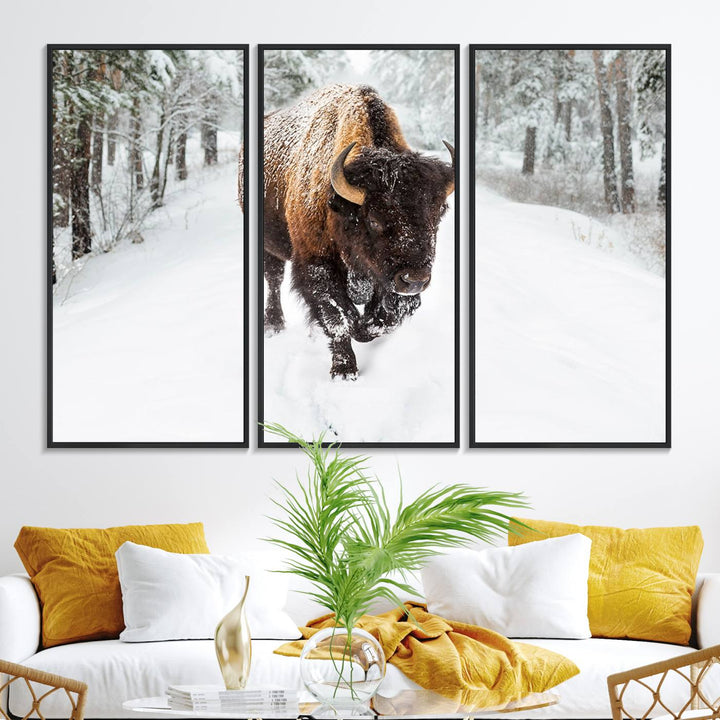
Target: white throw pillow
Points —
{"points": [[176, 596], [536, 590]]}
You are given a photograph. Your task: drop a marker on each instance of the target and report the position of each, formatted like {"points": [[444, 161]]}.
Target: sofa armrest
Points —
{"points": [[19, 618], [708, 611]]}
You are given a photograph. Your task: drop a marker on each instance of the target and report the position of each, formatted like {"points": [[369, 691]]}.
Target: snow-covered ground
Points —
{"points": [[570, 347], [570, 338], [148, 338], [405, 389]]}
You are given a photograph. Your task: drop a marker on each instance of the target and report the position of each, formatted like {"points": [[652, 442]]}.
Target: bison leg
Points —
{"points": [[274, 269], [344, 364], [385, 312], [322, 286]]}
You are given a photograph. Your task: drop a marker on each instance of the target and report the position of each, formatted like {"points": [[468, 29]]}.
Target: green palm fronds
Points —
{"points": [[344, 538]]}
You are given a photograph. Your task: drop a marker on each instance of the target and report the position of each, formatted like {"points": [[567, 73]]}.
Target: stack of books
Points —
{"points": [[257, 701]]}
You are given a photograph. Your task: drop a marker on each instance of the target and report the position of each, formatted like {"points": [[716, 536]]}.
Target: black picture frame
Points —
{"points": [[50, 440], [474, 441], [263, 442]]}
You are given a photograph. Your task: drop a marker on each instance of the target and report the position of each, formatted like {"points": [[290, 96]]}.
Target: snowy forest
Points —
{"points": [[419, 84], [579, 129], [570, 246], [127, 125], [148, 320]]}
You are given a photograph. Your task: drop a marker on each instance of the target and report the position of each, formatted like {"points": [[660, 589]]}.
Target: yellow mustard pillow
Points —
{"points": [[75, 575], [641, 580]]}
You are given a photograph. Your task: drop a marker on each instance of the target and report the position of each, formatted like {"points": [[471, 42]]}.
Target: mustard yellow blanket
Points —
{"points": [[468, 665]]}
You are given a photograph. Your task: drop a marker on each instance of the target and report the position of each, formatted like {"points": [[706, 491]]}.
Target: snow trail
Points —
{"points": [[570, 339]]}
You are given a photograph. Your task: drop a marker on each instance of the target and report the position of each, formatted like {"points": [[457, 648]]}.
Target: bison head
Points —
{"points": [[388, 207]]}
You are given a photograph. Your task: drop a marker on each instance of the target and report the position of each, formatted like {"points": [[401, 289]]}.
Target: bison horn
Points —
{"points": [[451, 150], [352, 193]]}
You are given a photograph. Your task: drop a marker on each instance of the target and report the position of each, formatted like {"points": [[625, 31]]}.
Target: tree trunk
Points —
{"points": [[528, 167], [627, 179], [136, 164], [112, 127], [483, 92], [61, 147], [155, 179], [168, 160], [567, 111], [97, 148], [80, 189], [209, 138], [180, 166], [116, 80], [662, 186], [97, 157], [568, 108], [606, 125], [96, 170]]}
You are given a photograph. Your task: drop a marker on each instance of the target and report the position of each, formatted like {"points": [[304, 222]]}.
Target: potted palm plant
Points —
{"points": [[344, 538]]}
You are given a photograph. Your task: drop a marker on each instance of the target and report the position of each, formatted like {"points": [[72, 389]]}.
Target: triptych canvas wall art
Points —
{"points": [[358, 243]]}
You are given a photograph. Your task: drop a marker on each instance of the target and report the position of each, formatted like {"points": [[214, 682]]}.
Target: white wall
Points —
{"points": [[228, 489]]}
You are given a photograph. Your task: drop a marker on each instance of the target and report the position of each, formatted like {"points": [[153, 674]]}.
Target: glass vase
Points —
{"points": [[342, 670], [233, 646]]}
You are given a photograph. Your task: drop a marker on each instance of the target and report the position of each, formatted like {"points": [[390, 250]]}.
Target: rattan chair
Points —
{"points": [[41, 685], [698, 672]]}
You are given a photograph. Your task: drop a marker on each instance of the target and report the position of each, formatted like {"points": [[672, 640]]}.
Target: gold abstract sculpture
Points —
{"points": [[233, 646]]}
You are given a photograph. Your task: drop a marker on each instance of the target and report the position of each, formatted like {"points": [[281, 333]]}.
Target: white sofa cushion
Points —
{"points": [[534, 590], [176, 596], [19, 618], [117, 671]]}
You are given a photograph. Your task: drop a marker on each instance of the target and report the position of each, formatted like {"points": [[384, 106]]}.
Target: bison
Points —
{"points": [[354, 210]]}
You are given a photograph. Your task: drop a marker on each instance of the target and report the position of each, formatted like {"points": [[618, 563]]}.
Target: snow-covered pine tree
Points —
{"points": [[143, 100], [516, 95], [220, 88], [532, 81], [492, 69], [61, 133], [492, 80], [649, 70], [288, 74], [80, 94], [569, 145], [420, 86]]}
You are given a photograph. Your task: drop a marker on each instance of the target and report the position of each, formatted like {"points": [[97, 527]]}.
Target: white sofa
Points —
{"points": [[117, 671]]}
